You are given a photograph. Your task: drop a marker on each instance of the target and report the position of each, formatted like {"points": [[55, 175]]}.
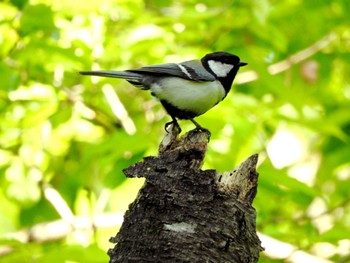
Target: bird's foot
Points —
{"points": [[174, 125], [200, 129]]}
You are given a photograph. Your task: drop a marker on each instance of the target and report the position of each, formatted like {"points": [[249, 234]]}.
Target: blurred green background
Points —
{"points": [[65, 138]]}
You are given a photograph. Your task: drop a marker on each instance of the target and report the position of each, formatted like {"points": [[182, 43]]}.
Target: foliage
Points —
{"points": [[62, 131]]}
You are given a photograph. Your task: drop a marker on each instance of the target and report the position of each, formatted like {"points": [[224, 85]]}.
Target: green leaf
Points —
{"points": [[19, 3], [37, 18], [75, 253], [10, 78]]}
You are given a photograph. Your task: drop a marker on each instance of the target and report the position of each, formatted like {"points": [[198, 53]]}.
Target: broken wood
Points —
{"points": [[185, 214]]}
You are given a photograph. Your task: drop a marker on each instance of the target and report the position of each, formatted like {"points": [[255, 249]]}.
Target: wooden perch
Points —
{"points": [[184, 214]]}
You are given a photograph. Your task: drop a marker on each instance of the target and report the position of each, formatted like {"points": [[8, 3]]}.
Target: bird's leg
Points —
{"points": [[174, 123], [199, 128]]}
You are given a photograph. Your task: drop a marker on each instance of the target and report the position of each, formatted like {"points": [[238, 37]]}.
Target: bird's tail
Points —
{"points": [[113, 74], [134, 78]]}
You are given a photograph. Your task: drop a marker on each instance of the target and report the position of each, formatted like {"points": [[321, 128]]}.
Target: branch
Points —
{"points": [[184, 214], [284, 65]]}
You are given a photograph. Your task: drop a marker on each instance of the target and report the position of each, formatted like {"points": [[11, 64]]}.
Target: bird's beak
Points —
{"points": [[241, 64]]}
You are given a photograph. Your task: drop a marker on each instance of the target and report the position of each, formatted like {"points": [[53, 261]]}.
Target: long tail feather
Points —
{"points": [[114, 74]]}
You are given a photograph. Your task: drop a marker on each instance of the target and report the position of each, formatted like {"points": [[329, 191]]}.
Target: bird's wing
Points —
{"points": [[195, 68], [190, 70]]}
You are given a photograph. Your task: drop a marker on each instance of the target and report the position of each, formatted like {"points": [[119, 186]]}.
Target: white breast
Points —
{"points": [[197, 97]]}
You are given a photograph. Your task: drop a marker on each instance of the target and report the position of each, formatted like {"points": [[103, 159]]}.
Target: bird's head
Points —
{"points": [[221, 64], [224, 66]]}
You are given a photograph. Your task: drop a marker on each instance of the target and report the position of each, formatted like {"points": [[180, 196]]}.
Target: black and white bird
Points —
{"points": [[187, 89]]}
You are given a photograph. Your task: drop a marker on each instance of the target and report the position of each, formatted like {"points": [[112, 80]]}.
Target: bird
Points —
{"points": [[187, 89]]}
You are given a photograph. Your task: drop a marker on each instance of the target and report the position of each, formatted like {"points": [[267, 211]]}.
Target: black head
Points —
{"points": [[223, 66]]}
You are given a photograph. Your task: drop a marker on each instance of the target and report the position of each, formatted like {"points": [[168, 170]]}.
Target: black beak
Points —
{"points": [[241, 64]]}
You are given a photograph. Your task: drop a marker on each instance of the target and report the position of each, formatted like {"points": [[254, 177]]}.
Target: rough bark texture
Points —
{"points": [[184, 214]]}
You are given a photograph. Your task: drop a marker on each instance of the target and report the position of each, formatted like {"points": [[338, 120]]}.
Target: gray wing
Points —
{"points": [[190, 70]]}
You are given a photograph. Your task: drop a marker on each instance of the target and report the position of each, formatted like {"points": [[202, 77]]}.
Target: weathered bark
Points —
{"points": [[184, 214]]}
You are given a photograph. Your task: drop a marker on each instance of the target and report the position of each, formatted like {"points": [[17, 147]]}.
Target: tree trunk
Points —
{"points": [[185, 214]]}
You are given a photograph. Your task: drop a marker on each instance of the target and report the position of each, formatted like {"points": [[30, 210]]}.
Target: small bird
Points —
{"points": [[187, 89]]}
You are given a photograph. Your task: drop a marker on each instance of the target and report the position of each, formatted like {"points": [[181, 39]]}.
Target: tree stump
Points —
{"points": [[185, 214]]}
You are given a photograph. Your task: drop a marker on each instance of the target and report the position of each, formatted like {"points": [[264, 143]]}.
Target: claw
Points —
{"points": [[174, 123], [200, 128]]}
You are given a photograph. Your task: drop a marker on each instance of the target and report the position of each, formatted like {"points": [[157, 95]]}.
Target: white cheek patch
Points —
{"points": [[220, 69]]}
